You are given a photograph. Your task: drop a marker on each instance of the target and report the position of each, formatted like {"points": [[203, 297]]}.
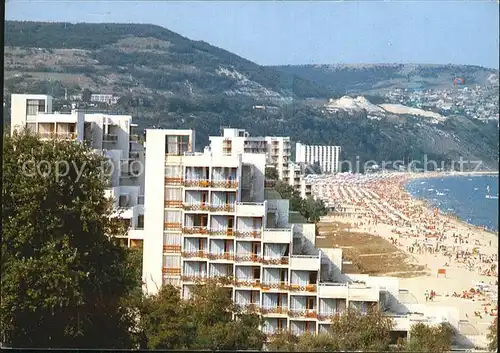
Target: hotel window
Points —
{"points": [[33, 106], [176, 145], [310, 303], [313, 277], [256, 273]]}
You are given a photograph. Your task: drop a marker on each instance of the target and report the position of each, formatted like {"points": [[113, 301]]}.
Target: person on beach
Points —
{"points": [[426, 295]]}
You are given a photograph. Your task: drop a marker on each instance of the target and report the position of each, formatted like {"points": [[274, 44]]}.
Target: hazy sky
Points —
{"points": [[313, 32]]}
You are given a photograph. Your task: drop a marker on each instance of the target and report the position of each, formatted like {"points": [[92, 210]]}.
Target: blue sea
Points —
{"points": [[474, 199]]}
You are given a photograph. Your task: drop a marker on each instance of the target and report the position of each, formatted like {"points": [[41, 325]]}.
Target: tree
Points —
{"points": [[271, 173], [163, 320], [354, 331], [493, 336], [86, 95], [282, 341], [426, 338], [64, 280], [216, 323]]}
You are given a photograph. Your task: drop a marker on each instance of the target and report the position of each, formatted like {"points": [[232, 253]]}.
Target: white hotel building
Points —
{"points": [[108, 135], [326, 156], [210, 216]]}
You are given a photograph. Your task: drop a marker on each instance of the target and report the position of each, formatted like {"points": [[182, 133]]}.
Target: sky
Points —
{"points": [[310, 32]]}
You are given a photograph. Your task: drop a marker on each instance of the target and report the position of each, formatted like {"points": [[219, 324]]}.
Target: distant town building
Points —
{"points": [[326, 156]]}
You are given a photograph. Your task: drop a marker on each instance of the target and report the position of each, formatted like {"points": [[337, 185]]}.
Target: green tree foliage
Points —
{"points": [[352, 331], [64, 281], [426, 338], [311, 209], [493, 336], [271, 173], [209, 319], [355, 331]]}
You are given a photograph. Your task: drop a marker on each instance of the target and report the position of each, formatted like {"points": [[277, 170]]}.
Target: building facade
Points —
{"points": [[208, 218], [238, 141], [108, 135], [326, 156]]}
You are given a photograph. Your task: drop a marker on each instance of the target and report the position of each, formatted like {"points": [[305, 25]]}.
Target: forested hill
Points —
{"points": [[166, 80]]}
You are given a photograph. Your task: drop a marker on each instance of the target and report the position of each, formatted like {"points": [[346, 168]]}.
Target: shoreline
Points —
{"points": [[410, 179], [383, 207]]}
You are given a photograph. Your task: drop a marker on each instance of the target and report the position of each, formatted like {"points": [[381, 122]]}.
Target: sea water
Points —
{"points": [[474, 199]]}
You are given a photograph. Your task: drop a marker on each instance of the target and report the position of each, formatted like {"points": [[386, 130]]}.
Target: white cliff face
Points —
{"points": [[247, 87], [374, 111]]}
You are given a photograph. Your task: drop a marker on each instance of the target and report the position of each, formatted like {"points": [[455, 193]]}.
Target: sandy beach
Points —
{"points": [[457, 257]]}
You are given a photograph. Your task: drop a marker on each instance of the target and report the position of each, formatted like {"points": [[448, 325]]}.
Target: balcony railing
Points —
{"points": [[247, 283], [224, 184], [195, 230], [196, 206], [172, 271], [248, 258], [173, 203], [58, 135], [227, 232], [174, 181], [307, 313], [253, 233], [274, 310], [223, 256], [284, 260], [222, 208], [249, 308], [197, 253], [172, 226], [280, 285], [195, 278], [197, 183], [110, 138], [172, 248], [328, 316], [307, 288]]}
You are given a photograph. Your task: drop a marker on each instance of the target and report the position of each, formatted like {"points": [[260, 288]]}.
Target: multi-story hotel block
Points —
{"points": [[326, 156], [108, 135], [209, 216], [237, 141]]}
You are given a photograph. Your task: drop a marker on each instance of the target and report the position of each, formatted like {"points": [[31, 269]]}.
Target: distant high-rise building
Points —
{"points": [[326, 156]]}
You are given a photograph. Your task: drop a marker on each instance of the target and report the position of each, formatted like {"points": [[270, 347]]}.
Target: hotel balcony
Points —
{"points": [[222, 232], [171, 271], [225, 256], [224, 184], [249, 308], [200, 183], [275, 261], [248, 234], [303, 313], [333, 290], [277, 235], [202, 206], [172, 249], [274, 311], [250, 209], [195, 255], [308, 288], [174, 204], [247, 283], [248, 257], [172, 226], [194, 278], [363, 293], [174, 181], [195, 231], [110, 138], [58, 135], [275, 286], [305, 262], [226, 208]]}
